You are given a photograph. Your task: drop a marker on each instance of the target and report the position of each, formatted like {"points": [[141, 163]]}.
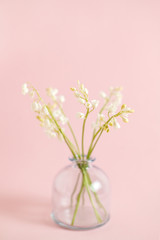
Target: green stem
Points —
{"points": [[83, 128], [83, 197], [90, 146], [90, 197], [77, 205], [91, 150], [74, 190], [69, 125], [85, 183], [95, 195]]}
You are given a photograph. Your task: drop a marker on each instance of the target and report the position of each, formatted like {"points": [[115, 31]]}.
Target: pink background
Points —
{"points": [[102, 43]]}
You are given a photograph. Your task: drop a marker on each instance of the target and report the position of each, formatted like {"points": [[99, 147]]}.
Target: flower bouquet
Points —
{"points": [[81, 190]]}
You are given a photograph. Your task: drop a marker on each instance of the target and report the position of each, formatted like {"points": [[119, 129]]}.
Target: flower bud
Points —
{"points": [[36, 106], [81, 100], [73, 89], [125, 119], [103, 94], [123, 106]]}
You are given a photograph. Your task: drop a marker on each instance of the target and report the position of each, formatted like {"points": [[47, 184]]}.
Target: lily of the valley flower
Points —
{"points": [[82, 94], [32, 93], [112, 108], [52, 116], [52, 92], [80, 115], [114, 123], [103, 95], [63, 119], [45, 111], [47, 123], [62, 99], [60, 116], [25, 89], [94, 103], [77, 94], [41, 109], [115, 97], [50, 133], [36, 106], [99, 122], [125, 112], [85, 91], [81, 100], [115, 102], [57, 113], [88, 105], [101, 117]]}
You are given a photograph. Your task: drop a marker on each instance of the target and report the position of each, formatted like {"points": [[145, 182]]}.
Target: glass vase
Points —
{"points": [[81, 196]]}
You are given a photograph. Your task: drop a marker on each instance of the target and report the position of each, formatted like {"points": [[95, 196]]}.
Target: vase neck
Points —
{"points": [[83, 161]]}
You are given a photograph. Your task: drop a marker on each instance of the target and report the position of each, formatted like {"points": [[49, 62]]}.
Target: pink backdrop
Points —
{"points": [[102, 43]]}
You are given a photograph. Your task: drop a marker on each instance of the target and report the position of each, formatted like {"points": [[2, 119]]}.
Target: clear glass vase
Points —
{"points": [[81, 196]]}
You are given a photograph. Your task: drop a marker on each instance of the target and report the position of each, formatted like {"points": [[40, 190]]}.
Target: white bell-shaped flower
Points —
{"points": [[25, 89], [80, 115], [94, 103]]}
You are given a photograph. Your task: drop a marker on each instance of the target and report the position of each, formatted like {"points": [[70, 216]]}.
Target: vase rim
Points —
{"points": [[91, 159]]}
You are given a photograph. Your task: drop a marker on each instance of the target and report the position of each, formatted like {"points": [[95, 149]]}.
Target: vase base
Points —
{"points": [[68, 226]]}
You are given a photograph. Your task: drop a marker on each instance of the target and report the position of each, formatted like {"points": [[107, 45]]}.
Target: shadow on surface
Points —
{"points": [[29, 209]]}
